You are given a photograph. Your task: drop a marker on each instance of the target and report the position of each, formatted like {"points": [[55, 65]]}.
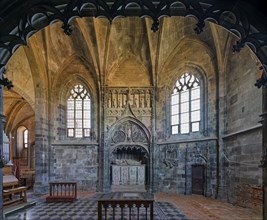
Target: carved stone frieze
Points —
{"points": [[118, 99], [137, 112]]}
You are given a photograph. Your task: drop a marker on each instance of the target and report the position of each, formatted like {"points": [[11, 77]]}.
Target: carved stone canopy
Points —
{"points": [[129, 132], [129, 135]]}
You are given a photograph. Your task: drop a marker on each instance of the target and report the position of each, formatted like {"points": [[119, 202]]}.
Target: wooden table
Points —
{"points": [[125, 200]]}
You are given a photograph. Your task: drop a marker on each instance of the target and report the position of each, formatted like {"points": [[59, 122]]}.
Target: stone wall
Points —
{"points": [[243, 133], [176, 160], [77, 163], [242, 172]]}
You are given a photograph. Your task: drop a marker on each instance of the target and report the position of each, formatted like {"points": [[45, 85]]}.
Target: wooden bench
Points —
{"points": [[8, 195], [62, 192]]}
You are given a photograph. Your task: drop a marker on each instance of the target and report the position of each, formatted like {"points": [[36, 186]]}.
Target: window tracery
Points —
{"points": [[79, 112], [185, 105]]}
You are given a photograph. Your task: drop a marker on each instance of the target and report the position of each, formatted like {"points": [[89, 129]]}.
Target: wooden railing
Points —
{"points": [[62, 192], [125, 209], [8, 195]]}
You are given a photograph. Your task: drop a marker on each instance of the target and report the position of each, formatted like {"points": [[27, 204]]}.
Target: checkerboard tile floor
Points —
{"points": [[85, 208]]}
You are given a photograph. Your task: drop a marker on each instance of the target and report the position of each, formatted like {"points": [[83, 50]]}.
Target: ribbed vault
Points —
{"points": [[22, 19]]}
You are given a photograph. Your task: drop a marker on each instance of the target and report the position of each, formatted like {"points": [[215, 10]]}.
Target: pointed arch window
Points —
{"points": [[25, 138], [79, 112], [185, 105]]}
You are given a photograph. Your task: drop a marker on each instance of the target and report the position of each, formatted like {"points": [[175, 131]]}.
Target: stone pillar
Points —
{"points": [[154, 149], [104, 169], [42, 147], [264, 150]]}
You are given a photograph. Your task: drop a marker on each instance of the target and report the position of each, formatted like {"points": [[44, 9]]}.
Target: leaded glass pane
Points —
{"points": [[25, 138], [185, 118], [195, 93], [79, 104], [70, 114], [175, 99], [25, 134], [71, 123], [184, 128], [187, 78], [78, 123], [87, 104], [75, 95], [195, 105], [175, 109], [86, 114], [78, 132], [175, 92], [195, 126], [86, 132], [175, 129], [78, 114], [185, 96], [70, 104], [175, 119], [195, 85], [195, 116], [82, 95], [184, 107], [87, 123], [71, 132]]}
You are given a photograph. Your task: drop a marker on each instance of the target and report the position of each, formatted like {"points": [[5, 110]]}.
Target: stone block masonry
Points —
{"points": [[76, 163]]}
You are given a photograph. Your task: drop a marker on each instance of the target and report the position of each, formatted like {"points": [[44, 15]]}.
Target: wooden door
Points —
{"points": [[198, 179]]}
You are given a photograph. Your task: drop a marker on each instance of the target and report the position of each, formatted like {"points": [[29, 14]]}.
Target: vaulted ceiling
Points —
{"points": [[122, 53]]}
